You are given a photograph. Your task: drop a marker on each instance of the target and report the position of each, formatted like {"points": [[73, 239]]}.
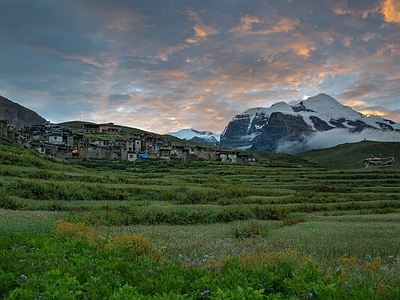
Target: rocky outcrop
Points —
{"points": [[18, 115]]}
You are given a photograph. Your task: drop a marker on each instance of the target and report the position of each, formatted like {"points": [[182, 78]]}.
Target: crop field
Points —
{"points": [[284, 228]]}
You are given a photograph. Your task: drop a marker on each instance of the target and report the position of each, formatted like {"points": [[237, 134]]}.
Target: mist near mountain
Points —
{"points": [[334, 137]]}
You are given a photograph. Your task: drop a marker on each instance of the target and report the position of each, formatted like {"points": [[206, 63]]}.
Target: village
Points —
{"points": [[62, 142]]}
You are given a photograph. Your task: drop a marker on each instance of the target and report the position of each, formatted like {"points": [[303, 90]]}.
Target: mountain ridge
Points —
{"points": [[18, 115], [289, 128], [197, 136]]}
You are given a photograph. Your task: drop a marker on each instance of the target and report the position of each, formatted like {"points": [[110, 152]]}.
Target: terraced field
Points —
{"points": [[283, 228]]}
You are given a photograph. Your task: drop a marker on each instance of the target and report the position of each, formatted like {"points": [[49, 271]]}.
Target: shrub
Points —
{"points": [[7, 202], [292, 220], [266, 212], [251, 230], [78, 230]]}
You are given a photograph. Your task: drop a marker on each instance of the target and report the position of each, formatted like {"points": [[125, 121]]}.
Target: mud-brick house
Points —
{"points": [[247, 158], [110, 128], [165, 153], [61, 151], [149, 140], [180, 153], [155, 147], [174, 153], [42, 150], [227, 156], [90, 128], [138, 146], [92, 151], [131, 156], [117, 154], [204, 153], [129, 145], [59, 137]]}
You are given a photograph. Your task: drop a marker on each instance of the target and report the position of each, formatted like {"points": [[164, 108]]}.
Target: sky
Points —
{"points": [[164, 65]]}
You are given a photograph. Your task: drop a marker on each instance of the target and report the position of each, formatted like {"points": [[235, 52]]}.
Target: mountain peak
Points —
{"points": [[269, 128], [194, 135]]}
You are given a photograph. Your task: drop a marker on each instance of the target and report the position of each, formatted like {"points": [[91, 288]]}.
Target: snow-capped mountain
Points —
{"points": [[317, 122], [202, 137]]}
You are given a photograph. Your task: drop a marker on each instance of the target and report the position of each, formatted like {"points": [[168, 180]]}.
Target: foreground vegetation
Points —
{"points": [[282, 229]]}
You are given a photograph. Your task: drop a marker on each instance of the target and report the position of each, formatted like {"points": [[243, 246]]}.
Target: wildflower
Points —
{"points": [[46, 262], [22, 261], [40, 297], [150, 271], [205, 293], [217, 271], [309, 295], [56, 262], [24, 277], [22, 247], [90, 266], [65, 260], [194, 263]]}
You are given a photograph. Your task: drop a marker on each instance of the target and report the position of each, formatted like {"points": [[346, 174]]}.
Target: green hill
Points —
{"points": [[352, 155], [126, 132]]}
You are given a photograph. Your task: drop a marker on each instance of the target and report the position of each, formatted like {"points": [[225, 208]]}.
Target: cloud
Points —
{"points": [[359, 91], [334, 137], [162, 65], [391, 11], [201, 30], [246, 23], [122, 97]]}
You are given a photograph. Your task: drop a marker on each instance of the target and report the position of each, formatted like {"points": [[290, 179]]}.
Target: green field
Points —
{"points": [[307, 224]]}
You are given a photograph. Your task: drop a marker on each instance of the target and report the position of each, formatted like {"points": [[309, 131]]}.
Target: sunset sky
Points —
{"points": [[162, 65]]}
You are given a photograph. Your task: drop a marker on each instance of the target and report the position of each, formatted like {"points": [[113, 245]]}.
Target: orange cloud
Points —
{"points": [[370, 112], [246, 23], [347, 41], [342, 8], [354, 103], [303, 50], [200, 32], [163, 56], [368, 36], [391, 11], [285, 25]]}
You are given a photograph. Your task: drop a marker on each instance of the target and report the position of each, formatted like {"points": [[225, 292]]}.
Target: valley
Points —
{"points": [[218, 218]]}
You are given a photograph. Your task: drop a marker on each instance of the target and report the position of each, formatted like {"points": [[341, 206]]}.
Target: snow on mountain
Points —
{"points": [[194, 135], [322, 106], [290, 128]]}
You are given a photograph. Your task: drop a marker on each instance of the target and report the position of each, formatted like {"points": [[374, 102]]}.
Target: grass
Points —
{"points": [[352, 155], [27, 221], [205, 210]]}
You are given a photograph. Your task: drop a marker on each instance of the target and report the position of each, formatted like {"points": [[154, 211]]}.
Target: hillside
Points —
{"points": [[18, 115], [126, 132], [351, 155]]}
